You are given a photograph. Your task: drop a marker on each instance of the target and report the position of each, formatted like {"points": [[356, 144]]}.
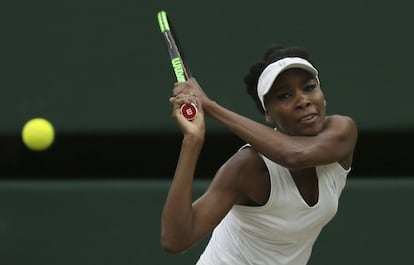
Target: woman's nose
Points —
{"points": [[303, 101]]}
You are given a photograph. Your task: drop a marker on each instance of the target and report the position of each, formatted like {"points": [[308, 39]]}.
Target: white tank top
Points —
{"points": [[281, 232]]}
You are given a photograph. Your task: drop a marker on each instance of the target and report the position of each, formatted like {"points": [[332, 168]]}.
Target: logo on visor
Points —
{"points": [[282, 63]]}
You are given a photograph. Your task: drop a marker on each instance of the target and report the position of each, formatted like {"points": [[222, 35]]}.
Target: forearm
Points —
{"points": [[176, 223], [263, 138], [333, 143]]}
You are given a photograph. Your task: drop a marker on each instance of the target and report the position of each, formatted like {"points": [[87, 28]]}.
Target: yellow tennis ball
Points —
{"points": [[38, 134]]}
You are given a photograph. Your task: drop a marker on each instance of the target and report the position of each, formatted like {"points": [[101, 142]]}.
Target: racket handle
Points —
{"points": [[189, 111]]}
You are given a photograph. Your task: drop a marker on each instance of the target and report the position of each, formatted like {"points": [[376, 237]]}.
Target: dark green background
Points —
{"points": [[118, 223], [99, 71], [102, 66]]}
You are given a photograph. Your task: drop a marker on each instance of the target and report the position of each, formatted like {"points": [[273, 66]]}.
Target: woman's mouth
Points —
{"points": [[308, 119]]}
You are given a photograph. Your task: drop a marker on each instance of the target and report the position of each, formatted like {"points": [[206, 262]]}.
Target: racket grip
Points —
{"points": [[189, 111]]}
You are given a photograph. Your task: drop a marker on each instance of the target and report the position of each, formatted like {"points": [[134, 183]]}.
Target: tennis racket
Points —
{"points": [[181, 70]]}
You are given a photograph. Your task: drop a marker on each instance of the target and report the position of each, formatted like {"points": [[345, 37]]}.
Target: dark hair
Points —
{"points": [[274, 53]]}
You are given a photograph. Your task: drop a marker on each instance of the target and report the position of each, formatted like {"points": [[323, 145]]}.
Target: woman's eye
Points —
{"points": [[283, 96], [310, 87]]}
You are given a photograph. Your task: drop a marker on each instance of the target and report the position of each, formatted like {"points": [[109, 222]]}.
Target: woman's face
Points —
{"points": [[296, 103]]}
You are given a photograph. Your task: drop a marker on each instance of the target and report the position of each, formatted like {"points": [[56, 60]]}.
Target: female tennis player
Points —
{"points": [[269, 202]]}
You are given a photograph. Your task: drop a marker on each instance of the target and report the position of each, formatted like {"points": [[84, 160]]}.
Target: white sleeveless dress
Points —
{"points": [[281, 232]]}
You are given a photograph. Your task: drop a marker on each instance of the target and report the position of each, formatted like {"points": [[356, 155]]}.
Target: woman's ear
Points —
{"points": [[325, 103]]}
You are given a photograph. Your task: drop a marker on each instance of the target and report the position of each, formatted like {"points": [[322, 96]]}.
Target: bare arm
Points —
{"points": [[336, 142], [183, 222]]}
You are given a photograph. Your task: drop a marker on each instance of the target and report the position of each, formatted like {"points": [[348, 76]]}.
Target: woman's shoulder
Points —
{"points": [[245, 164], [243, 173], [253, 176], [247, 156], [339, 118], [341, 122], [345, 130]]}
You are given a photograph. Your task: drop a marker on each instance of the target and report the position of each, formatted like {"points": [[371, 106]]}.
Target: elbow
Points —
{"points": [[172, 247], [295, 160], [173, 239]]}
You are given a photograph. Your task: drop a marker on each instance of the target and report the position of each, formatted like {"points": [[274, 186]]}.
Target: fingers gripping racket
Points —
{"points": [[181, 70]]}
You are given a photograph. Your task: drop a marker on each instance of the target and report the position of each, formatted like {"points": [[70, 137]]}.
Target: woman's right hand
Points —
{"points": [[196, 127]]}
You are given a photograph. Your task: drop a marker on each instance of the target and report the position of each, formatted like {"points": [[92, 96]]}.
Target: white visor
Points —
{"points": [[272, 71]]}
